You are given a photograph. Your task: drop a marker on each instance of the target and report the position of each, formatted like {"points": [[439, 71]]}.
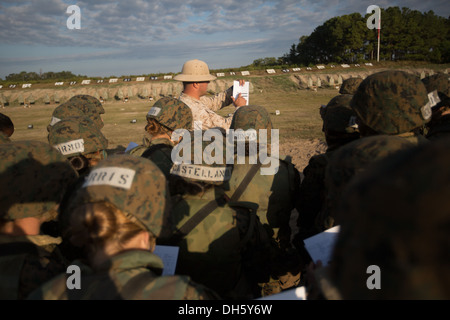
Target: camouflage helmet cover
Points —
{"points": [[34, 177], [251, 117], [134, 185], [399, 222], [392, 102], [171, 113], [90, 100], [87, 107], [77, 136], [350, 85]]}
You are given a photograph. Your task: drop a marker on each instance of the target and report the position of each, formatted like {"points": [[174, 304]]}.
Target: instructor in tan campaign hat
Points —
{"points": [[195, 77]]}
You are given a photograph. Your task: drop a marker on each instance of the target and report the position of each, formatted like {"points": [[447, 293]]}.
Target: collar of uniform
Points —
{"points": [[184, 96], [133, 259], [39, 240], [161, 141]]}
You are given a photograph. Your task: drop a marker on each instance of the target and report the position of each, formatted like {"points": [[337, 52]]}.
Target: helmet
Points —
{"points": [[350, 85], [93, 101], [439, 82], [338, 116], [34, 177], [134, 185], [76, 136], [251, 117], [392, 102], [171, 113], [397, 219], [195, 71], [82, 103]]}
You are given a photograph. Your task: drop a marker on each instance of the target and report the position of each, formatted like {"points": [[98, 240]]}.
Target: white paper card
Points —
{"points": [[243, 90], [110, 176], [320, 246], [169, 256]]}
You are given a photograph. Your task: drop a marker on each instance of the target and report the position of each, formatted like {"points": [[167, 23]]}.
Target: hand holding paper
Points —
{"points": [[240, 93]]}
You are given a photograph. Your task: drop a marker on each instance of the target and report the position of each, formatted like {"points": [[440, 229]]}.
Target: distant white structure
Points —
{"points": [[320, 67], [86, 82], [277, 112], [296, 69], [1, 86], [72, 83], [59, 83], [167, 77], [26, 85], [345, 66], [100, 81], [270, 71], [245, 73], [220, 74], [232, 73], [369, 64], [113, 80], [308, 68], [140, 79]]}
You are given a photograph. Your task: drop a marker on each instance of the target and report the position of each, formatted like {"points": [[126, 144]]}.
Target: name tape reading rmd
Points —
{"points": [[213, 153], [110, 176], [70, 147]]}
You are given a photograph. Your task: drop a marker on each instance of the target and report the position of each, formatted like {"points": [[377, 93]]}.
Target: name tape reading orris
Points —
{"points": [[110, 176]]}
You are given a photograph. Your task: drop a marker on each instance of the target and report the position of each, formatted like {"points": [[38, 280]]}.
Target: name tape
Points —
{"points": [[245, 136], [203, 173], [70, 147], [154, 111], [54, 121], [110, 176]]}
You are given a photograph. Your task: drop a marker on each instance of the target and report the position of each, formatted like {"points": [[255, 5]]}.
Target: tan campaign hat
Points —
{"points": [[195, 71]]}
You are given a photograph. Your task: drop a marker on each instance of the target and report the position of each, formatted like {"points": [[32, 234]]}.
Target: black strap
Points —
{"points": [[245, 182], [201, 214]]}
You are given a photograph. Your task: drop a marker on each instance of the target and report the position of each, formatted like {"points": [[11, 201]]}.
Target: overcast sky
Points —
{"points": [[137, 37]]}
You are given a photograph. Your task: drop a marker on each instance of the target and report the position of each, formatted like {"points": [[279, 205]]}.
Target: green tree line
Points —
{"points": [[33, 76], [405, 35]]}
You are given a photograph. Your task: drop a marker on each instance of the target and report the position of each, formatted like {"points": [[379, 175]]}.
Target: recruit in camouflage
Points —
{"points": [[34, 177], [397, 218], [171, 113]]}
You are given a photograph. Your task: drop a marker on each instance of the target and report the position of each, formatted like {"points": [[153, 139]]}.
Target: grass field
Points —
{"points": [[299, 115]]}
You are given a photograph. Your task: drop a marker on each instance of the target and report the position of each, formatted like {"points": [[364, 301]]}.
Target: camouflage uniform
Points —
{"points": [[439, 125], [339, 128], [139, 189], [349, 161], [397, 218], [72, 108], [393, 103], [350, 85], [204, 110], [34, 179], [171, 114], [275, 194], [222, 243]]}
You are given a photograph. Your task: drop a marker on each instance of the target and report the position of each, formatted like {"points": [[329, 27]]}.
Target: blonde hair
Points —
{"points": [[97, 225]]}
